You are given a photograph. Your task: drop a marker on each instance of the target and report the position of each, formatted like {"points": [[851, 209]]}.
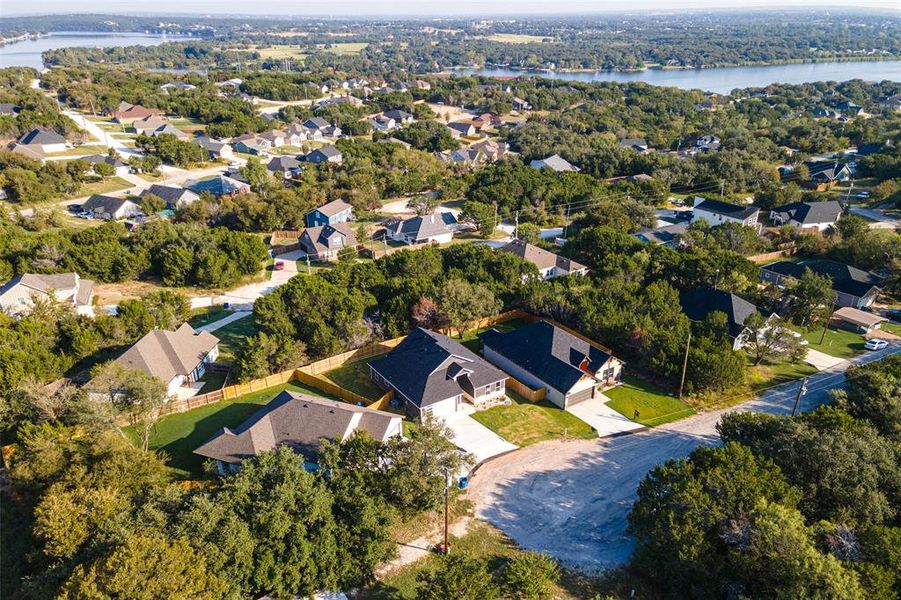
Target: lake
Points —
{"points": [[28, 53], [723, 80]]}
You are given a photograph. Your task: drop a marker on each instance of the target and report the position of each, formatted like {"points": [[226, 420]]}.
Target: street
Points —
{"points": [[571, 498]]}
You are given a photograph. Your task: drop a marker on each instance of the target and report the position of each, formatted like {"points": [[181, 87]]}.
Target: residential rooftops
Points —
{"points": [[165, 354], [541, 258], [698, 303], [808, 213], [845, 278], [733, 211], [41, 136]]}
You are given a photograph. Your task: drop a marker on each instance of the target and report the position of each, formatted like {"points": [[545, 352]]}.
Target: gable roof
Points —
{"points": [[845, 278], [316, 123], [149, 122], [219, 185], [104, 204], [114, 161], [633, 143], [554, 162], [170, 193], [328, 152], [41, 136], [34, 152], [808, 213], [540, 257], [828, 170], [420, 227], [550, 353], [319, 237], [663, 235], [283, 163], [52, 283], [300, 422], [165, 354], [330, 209], [398, 114], [425, 367], [733, 211], [700, 302]]}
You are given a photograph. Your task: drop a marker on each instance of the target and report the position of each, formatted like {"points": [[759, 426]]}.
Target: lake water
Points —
{"points": [[28, 53], [723, 80]]}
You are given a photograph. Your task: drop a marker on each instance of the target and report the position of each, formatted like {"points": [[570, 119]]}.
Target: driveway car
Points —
{"points": [[875, 344]]}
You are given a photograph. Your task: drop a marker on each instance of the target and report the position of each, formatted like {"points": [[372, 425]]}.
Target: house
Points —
{"points": [[215, 149], [827, 172], [433, 375], [519, 104], [325, 128], [826, 113], [435, 228], [176, 358], [807, 215], [327, 241], [716, 212], [338, 100], [461, 128], [857, 320], [399, 116], [853, 287], [698, 304], [892, 103], [382, 123], [111, 208], [17, 296], [467, 156], [286, 166], [251, 144], [300, 422], [491, 149], [850, 108], [275, 137], [326, 154], [9, 109], [297, 133], [668, 235], [119, 168], [707, 143], [169, 129], [637, 144], [180, 86], [149, 124], [488, 119], [220, 185], [30, 152], [543, 355], [127, 113], [175, 197], [549, 265], [45, 140], [555, 162], [231, 83], [336, 211]]}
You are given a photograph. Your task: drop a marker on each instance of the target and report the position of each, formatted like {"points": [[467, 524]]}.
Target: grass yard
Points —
{"points": [[840, 343], [524, 423], [653, 404], [355, 377], [471, 339], [212, 381], [232, 336], [891, 327], [516, 38], [207, 315], [83, 150], [179, 434], [104, 186], [768, 375], [345, 48]]}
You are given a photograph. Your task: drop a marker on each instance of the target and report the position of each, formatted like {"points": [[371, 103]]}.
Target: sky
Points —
{"points": [[403, 7]]}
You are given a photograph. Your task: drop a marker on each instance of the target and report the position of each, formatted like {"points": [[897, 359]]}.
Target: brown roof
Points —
{"points": [[858, 317], [332, 208], [165, 354], [541, 258], [150, 122], [319, 237], [300, 422], [134, 111]]}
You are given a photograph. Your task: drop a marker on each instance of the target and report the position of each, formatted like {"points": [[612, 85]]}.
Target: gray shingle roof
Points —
{"points": [[170, 193], [104, 204], [808, 213], [698, 303], [555, 162], [422, 227], [165, 354], [732, 211], [330, 209], [540, 257], [319, 238], [42, 136], [283, 163], [845, 278], [423, 368]]}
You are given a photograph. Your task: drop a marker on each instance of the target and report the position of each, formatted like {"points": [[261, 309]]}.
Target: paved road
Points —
{"points": [[571, 499]]}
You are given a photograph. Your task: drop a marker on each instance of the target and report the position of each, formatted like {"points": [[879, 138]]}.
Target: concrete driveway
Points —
{"points": [[475, 438], [820, 360], [571, 499], [604, 419]]}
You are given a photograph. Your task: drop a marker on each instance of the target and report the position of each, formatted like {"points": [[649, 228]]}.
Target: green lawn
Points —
{"points": [[654, 405], [212, 381], [207, 315], [767, 375], [471, 339], [524, 423], [840, 343], [179, 434], [355, 377], [83, 150], [232, 336], [891, 328], [103, 186]]}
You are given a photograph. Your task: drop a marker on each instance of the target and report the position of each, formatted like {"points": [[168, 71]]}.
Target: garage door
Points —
{"points": [[580, 396]]}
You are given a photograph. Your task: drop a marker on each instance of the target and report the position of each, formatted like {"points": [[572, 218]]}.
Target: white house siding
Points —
{"points": [[443, 409], [490, 392], [177, 382], [50, 148], [714, 219], [442, 238], [584, 384]]}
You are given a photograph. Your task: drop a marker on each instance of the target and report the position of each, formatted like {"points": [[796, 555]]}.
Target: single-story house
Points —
{"points": [[251, 144], [467, 156], [215, 149], [808, 215], [555, 162], [668, 235], [178, 85], [382, 123], [698, 303], [111, 208], [399, 116], [827, 172], [707, 143], [46, 140], [31, 152], [716, 212], [462, 128], [300, 422], [520, 104], [326, 154], [543, 355], [637, 144], [330, 213], [127, 113], [549, 265], [853, 287], [432, 374], [493, 150], [326, 241], [220, 185], [322, 126], [18, 294], [434, 228], [9, 109], [286, 166], [275, 137], [176, 358], [175, 197], [857, 320], [488, 119], [169, 129], [149, 124], [119, 167]]}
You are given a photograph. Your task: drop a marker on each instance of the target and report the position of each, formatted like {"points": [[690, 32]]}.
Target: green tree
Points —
{"points": [[483, 215], [104, 169], [812, 298], [768, 341], [120, 392], [257, 175], [529, 233], [151, 204], [462, 303], [531, 576], [457, 576]]}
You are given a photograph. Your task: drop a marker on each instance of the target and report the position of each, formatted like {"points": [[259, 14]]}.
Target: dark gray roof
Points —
{"points": [[104, 158], [845, 278], [219, 185], [698, 303], [283, 163], [828, 170], [633, 142], [728, 210], [426, 367], [330, 209], [318, 239], [170, 193], [398, 114], [42, 136], [8, 108], [551, 354], [663, 235], [104, 204], [421, 227], [316, 123], [327, 151], [298, 421], [810, 212]]}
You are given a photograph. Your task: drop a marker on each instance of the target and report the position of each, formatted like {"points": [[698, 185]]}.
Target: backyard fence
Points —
{"points": [[768, 256], [525, 391], [286, 234], [278, 250]]}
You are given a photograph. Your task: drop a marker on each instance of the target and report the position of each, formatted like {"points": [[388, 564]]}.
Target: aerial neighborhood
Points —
{"points": [[412, 308]]}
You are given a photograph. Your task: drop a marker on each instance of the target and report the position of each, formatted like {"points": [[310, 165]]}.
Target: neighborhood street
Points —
{"points": [[571, 498]]}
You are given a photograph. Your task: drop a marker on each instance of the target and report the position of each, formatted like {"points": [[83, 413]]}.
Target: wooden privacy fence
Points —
{"points": [[286, 234], [768, 256], [525, 391], [277, 250]]}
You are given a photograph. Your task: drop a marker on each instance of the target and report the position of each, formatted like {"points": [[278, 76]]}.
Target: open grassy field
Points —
{"points": [[82, 150], [838, 342], [179, 434], [654, 405], [345, 48], [103, 186], [515, 38], [232, 336], [523, 422], [355, 377], [767, 375]]}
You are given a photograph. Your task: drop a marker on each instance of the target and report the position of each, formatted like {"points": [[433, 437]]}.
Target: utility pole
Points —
{"points": [[801, 391], [826, 324], [848, 197], [309, 269], [516, 226], [495, 215], [446, 503], [566, 221], [722, 188], [684, 365]]}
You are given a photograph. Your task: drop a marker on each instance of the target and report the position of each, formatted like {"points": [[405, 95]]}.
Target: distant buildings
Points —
{"points": [[549, 265], [17, 296], [853, 287], [716, 213], [554, 162]]}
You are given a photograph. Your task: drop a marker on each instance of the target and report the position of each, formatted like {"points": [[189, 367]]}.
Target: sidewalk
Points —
{"points": [[211, 327]]}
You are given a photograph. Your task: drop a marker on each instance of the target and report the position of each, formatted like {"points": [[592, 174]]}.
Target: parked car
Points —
{"points": [[875, 344], [74, 208], [894, 314], [863, 194], [85, 215], [279, 265]]}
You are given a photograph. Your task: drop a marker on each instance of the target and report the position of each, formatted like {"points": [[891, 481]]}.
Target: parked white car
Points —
{"points": [[875, 344]]}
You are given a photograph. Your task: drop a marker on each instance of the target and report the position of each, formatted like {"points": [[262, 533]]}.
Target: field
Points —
{"points": [[515, 38], [103, 186], [280, 51], [83, 150], [179, 434], [524, 423], [838, 342], [654, 405], [344, 48], [355, 377]]}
